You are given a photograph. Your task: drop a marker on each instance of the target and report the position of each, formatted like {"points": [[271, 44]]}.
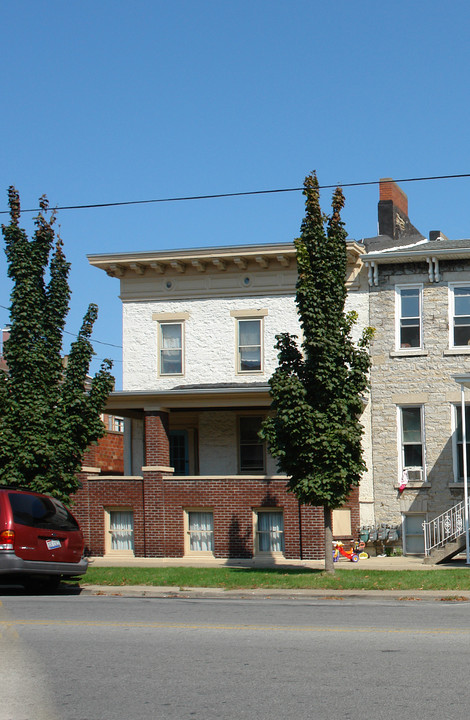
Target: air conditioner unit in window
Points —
{"points": [[415, 474]]}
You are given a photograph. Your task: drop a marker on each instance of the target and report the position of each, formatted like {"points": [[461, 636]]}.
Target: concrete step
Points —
{"points": [[445, 552]]}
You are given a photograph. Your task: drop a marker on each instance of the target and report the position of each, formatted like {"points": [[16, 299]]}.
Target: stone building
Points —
{"points": [[420, 308]]}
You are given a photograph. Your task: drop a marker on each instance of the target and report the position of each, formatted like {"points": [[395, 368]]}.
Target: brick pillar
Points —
{"points": [[157, 461], [157, 444], [80, 506]]}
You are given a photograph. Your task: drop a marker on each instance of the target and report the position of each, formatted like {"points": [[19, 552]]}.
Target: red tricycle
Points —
{"points": [[338, 549]]}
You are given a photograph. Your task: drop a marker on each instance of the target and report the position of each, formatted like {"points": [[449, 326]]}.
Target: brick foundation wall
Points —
{"points": [[159, 503]]}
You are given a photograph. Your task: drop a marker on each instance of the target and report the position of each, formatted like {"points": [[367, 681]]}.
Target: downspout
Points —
{"points": [[430, 269], [465, 473], [300, 531]]}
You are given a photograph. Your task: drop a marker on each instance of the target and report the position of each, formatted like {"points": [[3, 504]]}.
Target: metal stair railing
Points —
{"points": [[445, 527]]}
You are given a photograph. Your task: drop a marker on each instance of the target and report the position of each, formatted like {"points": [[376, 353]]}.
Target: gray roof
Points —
{"points": [[417, 250]]}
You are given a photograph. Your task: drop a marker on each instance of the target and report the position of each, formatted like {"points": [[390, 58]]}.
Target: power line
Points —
{"points": [[240, 194], [66, 332]]}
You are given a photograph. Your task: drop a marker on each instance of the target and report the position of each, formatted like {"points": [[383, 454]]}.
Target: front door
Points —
{"points": [[413, 534], [179, 455]]}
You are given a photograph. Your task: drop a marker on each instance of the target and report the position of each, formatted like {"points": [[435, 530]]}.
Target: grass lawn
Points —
{"points": [[289, 579]]}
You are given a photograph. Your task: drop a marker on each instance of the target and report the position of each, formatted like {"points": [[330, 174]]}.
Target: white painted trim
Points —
{"points": [[463, 349]]}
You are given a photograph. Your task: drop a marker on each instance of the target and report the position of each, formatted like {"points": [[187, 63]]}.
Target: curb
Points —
{"points": [[274, 594]]}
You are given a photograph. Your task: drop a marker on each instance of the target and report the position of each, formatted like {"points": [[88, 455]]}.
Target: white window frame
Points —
{"points": [[401, 445], [456, 408], [452, 287], [170, 318], [398, 317], [247, 316], [117, 424], [108, 535], [256, 532], [187, 532], [161, 325]]}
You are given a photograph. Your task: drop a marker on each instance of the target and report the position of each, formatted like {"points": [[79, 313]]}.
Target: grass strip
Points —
{"points": [[281, 578]]}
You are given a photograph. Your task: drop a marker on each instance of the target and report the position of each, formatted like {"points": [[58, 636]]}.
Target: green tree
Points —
{"points": [[317, 389], [49, 410]]}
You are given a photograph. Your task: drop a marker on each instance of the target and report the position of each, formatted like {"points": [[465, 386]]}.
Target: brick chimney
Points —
{"points": [[393, 213]]}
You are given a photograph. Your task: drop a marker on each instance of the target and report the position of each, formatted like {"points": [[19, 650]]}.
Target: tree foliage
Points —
{"points": [[317, 389], [49, 411]]}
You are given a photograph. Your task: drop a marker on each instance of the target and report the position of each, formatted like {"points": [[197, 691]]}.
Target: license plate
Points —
{"points": [[53, 544]]}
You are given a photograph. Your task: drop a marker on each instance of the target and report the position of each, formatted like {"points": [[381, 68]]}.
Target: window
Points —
{"points": [[121, 531], [251, 447], [249, 345], [458, 441], [200, 531], [117, 423], [412, 442], [269, 531], [459, 302], [409, 317], [171, 348]]}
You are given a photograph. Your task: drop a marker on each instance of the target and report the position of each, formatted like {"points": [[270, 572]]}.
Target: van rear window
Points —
{"points": [[41, 512]]}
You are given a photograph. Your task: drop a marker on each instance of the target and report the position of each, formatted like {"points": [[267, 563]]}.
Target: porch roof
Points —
{"points": [[190, 397]]}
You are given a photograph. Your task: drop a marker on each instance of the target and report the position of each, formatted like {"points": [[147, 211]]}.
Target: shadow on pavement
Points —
{"points": [[9, 590]]}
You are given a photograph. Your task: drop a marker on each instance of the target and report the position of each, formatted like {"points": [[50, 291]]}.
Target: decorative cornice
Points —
{"points": [[269, 256]]}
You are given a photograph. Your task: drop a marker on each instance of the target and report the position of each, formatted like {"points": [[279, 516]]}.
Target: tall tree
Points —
{"points": [[317, 389], [49, 409]]}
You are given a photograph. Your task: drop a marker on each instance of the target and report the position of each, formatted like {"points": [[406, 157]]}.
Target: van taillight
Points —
{"points": [[7, 538]]}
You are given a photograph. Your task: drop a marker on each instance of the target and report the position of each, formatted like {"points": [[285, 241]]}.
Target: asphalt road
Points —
{"points": [[99, 657]]}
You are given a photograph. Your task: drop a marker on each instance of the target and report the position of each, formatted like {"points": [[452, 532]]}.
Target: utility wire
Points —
{"points": [[241, 194], [66, 332]]}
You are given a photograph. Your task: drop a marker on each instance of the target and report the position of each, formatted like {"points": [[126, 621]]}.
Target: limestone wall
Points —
{"points": [[415, 377]]}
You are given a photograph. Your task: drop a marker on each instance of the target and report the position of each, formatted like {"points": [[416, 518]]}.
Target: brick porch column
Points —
{"points": [[157, 461]]}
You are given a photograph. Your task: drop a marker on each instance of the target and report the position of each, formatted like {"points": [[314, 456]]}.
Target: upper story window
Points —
{"points": [[458, 441], [412, 441], [408, 317], [171, 348], [459, 307], [117, 424], [249, 345], [249, 340], [170, 342]]}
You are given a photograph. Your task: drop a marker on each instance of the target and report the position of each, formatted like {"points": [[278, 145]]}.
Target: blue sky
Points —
{"points": [[117, 100]]}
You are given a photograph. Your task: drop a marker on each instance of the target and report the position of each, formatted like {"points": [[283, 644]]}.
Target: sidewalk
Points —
{"points": [[410, 562], [373, 563]]}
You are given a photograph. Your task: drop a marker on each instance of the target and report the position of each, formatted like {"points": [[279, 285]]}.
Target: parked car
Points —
{"points": [[40, 540]]}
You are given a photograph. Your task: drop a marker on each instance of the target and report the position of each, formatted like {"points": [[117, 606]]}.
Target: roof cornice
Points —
{"points": [[274, 256]]}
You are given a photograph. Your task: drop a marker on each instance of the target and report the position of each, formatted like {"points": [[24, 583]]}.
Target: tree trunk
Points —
{"points": [[329, 564]]}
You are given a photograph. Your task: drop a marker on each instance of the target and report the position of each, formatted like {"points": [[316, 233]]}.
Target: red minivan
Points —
{"points": [[40, 540]]}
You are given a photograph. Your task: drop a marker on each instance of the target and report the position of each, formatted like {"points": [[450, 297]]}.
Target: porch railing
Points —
{"points": [[445, 527]]}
